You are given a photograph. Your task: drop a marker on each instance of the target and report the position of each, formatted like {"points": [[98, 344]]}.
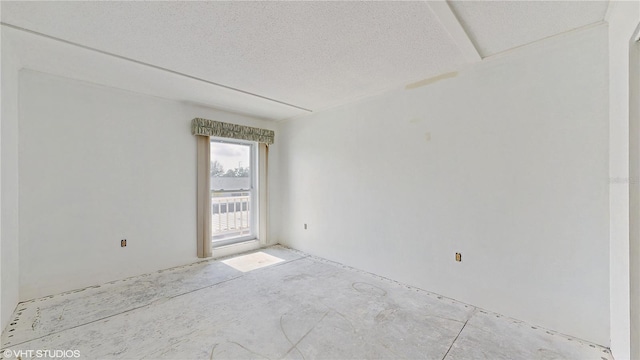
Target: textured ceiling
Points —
{"points": [[501, 25], [311, 55]]}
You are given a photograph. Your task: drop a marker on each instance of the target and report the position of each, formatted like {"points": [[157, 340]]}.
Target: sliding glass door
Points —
{"points": [[233, 191]]}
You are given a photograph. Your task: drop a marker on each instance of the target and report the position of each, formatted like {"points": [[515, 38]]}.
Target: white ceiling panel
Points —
{"points": [[50, 56], [496, 26], [281, 59], [309, 54]]}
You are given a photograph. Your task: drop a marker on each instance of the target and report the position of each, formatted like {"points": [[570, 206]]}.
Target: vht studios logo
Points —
{"points": [[39, 354]]}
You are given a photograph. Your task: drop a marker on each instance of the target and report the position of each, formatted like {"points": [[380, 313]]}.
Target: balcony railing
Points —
{"points": [[230, 215]]}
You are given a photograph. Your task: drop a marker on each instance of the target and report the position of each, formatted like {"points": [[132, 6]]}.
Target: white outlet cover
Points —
{"points": [[257, 260]]}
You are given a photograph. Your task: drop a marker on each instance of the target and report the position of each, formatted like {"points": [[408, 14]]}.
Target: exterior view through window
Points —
{"points": [[233, 195]]}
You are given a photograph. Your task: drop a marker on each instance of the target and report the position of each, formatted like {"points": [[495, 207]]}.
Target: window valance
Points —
{"points": [[205, 127]]}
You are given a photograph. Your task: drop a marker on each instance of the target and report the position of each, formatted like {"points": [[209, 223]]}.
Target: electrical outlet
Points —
{"points": [[305, 226], [123, 243], [458, 257]]}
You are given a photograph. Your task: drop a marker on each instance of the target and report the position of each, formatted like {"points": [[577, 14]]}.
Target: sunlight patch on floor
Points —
{"points": [[246, 263]]}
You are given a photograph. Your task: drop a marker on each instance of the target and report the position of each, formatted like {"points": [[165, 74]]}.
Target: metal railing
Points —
{"points": [[230, 215]]}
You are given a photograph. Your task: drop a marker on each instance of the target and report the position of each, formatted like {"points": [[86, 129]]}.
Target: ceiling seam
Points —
{"points": [[559, 35], [457, 32], [610, 7], [152, 66]]}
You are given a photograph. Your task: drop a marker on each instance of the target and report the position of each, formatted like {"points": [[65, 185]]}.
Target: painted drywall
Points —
{"points": [[634, 239], [634, 192], [623, 18], [98, 165], [9, 182], [506, 163]]}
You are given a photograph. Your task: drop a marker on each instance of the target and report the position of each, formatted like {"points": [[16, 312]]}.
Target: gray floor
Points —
{"points": [[303, 308]]}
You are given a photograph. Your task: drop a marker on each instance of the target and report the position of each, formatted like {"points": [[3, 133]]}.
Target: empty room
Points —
{"points": [[320, 180]]}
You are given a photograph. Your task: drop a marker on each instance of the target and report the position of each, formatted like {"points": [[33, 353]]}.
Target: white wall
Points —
{"points": [[634, 239], [97, 165], [634, 169], [9, 182], [623, 17], [506, 163]]}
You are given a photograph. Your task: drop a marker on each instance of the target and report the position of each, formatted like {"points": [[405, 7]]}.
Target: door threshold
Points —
{"points": [[236, 248]]}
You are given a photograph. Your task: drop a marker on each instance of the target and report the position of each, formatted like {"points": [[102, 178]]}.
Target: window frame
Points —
{"points": [[254, 191]]}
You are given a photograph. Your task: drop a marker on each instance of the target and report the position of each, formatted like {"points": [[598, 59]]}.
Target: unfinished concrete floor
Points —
{"points": [[301, 308]]}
